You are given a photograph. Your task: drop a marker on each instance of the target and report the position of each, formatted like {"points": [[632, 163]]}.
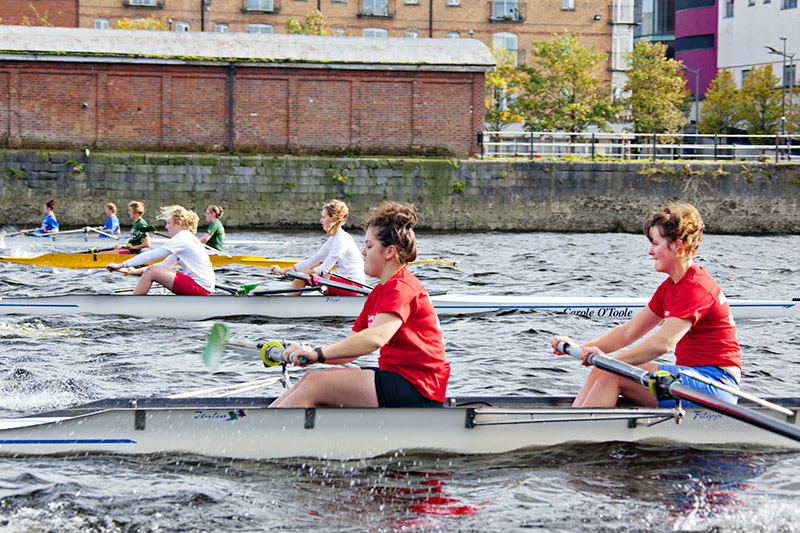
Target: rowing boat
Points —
{"points": [[243, 427], [98, 260], [314, 305]]}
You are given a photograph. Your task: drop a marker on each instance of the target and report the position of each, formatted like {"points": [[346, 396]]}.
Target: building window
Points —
{"points": [[729, 8], [375, 32], [412, 34], [789, 4], [101, 23], [339, 32], [182, 25], [260, 5], [622, 44], [506, 10], [221, 27], [454, 3], [694, 42], [453, 35], [567, 5], [149, 3], [789, 75], [745, 73], [751, 2], [509, 41], [259, 28], [375, 8], [412, 2]]}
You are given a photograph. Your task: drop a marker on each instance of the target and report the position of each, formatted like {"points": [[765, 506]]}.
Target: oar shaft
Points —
{"points": [[319, 280], [608, 364]]}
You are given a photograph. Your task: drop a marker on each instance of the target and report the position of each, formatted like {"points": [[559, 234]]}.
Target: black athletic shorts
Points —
{"points": [[396, 391]]}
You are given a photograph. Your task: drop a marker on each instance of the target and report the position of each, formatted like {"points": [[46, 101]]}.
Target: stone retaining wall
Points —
{"points": [[451, 195]]}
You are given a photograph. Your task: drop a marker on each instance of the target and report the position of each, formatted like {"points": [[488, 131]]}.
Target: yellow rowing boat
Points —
{"points": [[90, 260]]}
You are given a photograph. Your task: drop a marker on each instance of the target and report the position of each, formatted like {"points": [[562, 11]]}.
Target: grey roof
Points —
{"points": [[140, 46]]}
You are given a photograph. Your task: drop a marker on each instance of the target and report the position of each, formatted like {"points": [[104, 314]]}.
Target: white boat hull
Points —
{"points": [[244, 428], [311, 306]]}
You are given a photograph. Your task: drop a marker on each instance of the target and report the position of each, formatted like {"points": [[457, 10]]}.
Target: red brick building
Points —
{"points": [[75, 88], [40, 12]]}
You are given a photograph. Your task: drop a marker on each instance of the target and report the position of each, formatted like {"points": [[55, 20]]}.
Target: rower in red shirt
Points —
{"points": [[697, 321], [398, 318]]}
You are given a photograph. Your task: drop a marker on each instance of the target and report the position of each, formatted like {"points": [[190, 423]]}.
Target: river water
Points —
{"points": [[56, 362]]}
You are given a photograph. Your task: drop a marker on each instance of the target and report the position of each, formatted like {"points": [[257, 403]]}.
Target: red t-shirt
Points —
{"points": [[712, 339], [416, 351]]}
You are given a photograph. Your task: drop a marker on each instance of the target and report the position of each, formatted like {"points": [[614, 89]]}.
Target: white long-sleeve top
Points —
{"points": [[339, 251], [184, 249]]}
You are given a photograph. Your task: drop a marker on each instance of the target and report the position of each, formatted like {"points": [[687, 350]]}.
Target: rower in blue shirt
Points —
{"points": [[49, 224]]}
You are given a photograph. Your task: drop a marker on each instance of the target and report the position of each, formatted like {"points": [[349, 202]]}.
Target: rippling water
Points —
{"points": [[56, 362]]}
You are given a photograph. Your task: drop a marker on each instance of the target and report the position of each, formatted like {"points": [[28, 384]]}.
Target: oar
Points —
{"points": [[271, 353], [433, 261], [103, 233], [665, 386], [313, 280]]}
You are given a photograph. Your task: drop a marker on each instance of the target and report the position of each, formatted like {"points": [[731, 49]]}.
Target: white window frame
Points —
{"points": [[505, 10], [148, 3], [183, 25], [375, 8], [412, 34], [260, 5], [260, 28], [412, 2], [101, 23], [221, 27], [567, 5], [453, 3], [339, 32], [453, 35], [375, 33], [505, 39]]}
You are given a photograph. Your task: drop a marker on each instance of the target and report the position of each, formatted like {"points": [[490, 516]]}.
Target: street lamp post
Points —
{"points": [[784, 56], [696, 72]]}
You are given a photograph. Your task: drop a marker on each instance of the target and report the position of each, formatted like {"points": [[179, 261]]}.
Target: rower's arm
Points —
{"points": [[627, 333], [657, 344], [383, 328]]}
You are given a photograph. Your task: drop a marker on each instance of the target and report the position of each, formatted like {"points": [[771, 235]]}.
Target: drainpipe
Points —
{"points": [[430, 19], [231, 77]]}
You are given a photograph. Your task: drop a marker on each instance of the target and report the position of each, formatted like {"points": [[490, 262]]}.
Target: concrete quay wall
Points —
{"points": [[451, 195]]}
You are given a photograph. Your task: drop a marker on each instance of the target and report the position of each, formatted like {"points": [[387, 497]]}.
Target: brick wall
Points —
{"points": [[169, 107], [53, 12]]}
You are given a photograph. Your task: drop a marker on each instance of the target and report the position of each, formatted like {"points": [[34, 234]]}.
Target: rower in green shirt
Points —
{"points": [[138, 240], [215, 234]]}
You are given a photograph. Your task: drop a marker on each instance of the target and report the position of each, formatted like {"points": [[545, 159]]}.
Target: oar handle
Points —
{"points": [[275, 352]]}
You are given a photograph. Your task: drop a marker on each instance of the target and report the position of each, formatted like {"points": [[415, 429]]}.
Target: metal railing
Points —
{"points": [[632, 146]]}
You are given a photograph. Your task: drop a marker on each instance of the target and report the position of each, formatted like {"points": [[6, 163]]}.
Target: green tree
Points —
{"points": [[758, 103], [502, 87], [314, 25], [40, 19], [718, 113], [657, 93], [563, 90]]}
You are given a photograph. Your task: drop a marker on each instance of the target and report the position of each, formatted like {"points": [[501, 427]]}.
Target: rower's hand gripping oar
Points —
{"points": [[315, 280], [271, 353], [663, 386]]}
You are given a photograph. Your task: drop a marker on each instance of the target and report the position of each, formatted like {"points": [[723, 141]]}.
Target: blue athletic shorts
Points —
{"points": [[711, 372]]}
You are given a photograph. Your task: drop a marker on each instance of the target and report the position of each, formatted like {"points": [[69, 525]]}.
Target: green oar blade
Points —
{"points": [[215, 345], [246, 289]]}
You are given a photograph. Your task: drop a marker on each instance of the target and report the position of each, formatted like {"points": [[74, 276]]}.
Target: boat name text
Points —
{"points": [[699, 414], [601, 312], [220, 415]]}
